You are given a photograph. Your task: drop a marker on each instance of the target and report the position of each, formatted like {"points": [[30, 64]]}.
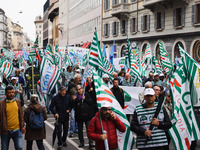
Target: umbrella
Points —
{"points": [[55, 132]]}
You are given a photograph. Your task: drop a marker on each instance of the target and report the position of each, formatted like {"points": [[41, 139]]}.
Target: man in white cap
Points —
{"points": [[156, 80], [143, 117], [106, 79], [161, 77], [110, 123], [17, 88]]}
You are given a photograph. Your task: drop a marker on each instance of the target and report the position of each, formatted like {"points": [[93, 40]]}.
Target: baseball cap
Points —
{"points": [[149, 91], [105, 104], [78, 70], [161, 75], [13, 78], [156, 74], [105, 76]]}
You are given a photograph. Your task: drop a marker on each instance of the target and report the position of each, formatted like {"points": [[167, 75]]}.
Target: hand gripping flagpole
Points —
{"points": [[104, 132]]}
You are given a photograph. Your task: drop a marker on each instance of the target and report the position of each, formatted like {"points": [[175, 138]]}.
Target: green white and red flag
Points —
{"points": [[49, 54], [6, 66], [156, 67], [58, 58], [42, 96], [103, 93], [185, 128], [165, 58]]}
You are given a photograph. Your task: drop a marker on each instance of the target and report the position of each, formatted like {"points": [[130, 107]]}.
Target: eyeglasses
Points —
{"points": [[168, 95], [105, 109]]}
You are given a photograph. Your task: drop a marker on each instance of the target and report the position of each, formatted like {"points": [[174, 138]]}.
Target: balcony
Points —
{"points": [[120, 10]]}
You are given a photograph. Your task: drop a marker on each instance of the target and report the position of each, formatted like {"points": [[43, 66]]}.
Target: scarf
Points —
{"points": [[10, 101], [80, 97]]}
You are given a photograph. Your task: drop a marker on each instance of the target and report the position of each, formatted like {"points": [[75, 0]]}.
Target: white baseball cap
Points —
{"points": [[149, 91], [21, 67], [105, 104], [156, 74], [162, 75], [105, 76], [13, 78], [78, 70]]}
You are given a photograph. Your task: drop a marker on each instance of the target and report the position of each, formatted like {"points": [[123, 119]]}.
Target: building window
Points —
{"points": [[196, 51], [115, 28], [114, 2], [106, 4], [124, 25], [106, 30], [123, 51], [159, 20], [158, 53], [144, 49], [176, 50], [145, 23], [124, 1], [196, 14], [133, 25], [179, 17]]}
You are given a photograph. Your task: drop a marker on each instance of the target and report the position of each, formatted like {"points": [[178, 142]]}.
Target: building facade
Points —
{"points": [[3, 30], [39, 30], [45, 23], [17, 37], [10, 34], [84, 16], [147, 21]]}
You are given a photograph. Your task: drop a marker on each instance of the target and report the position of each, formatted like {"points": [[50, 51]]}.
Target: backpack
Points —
{"points": [[36, 120]]}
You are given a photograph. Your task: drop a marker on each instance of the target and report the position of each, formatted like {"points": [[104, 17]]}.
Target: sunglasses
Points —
{"points": [[105, 109]]}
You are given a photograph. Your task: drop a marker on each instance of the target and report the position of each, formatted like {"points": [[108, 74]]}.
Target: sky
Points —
{"points": [[29, 8]]}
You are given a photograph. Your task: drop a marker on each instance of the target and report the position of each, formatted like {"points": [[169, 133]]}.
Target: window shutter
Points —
{"points": [[155, 21], [183, 16], [108, 29], [148, 22], [104, 4], [174, 17], [193, 14], [142, 21], [126, 26], [104, 29], [117, 28], [163, 19], [113, 28], [121, 26], [136, 25], [131, 25]]}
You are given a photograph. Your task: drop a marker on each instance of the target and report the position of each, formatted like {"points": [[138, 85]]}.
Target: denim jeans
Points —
{"points": [[73, 124], [38, 142], [16, 135]]}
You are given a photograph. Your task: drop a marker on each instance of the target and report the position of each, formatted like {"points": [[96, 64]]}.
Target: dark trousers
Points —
{"points": [[38, 142], [63, 125], [80, 131]]}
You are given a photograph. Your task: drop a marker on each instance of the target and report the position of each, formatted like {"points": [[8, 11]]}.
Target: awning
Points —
{"points": [[85, 45]]}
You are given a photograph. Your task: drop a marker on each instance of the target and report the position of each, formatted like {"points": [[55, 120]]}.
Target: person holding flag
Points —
{"points": [[110, 122], [143, 118]]}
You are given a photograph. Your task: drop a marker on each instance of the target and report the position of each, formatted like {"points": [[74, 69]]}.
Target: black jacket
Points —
{"points": [[83, 109], [60, 105], [119, 95]]}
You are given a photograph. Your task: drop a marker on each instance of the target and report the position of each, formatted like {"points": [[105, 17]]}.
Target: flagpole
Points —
{"points": [[104, 132], [33, 78]]}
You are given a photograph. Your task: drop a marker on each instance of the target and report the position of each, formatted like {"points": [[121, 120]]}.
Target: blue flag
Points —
{"points": [[112, 53], [104, 51], [25, 55]]}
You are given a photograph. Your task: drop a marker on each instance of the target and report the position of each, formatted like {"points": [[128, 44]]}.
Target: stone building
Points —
{"points": [[39, 30], [17, 37], [45, 23], [147, 21], [3, 30]]}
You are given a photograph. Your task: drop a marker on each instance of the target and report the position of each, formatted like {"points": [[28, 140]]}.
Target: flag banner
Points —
{"points": [[58, 58], [165, 58], [42, 96], [6, 66], [50, 75], [156, 67], [98, 61], [148, 60], [193, 75], [8, 54], [25, 54], [103, 93], [112, 53], [185, 128], [127, 55], [49, 54]]}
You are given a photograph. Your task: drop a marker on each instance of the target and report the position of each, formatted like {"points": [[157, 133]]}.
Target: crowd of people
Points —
{"points": [[74, 105]]}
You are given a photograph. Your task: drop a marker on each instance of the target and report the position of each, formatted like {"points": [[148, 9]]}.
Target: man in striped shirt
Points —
{"points": [[143, 117]]}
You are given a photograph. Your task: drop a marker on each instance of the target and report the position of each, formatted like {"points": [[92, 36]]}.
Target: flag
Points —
{"points": [[58, 58], [6, 66], [98, 61], [165, 58], [103, 93], [8, 54], [156, 67], [148, 60], [49, 54], [104, 51], [25, 54], [185, 128], [112, 53], [127, 54], [42, 96], [50, 75]]}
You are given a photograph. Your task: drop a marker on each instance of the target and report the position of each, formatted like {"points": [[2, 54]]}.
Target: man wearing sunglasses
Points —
{"points": [[110, 123]]}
